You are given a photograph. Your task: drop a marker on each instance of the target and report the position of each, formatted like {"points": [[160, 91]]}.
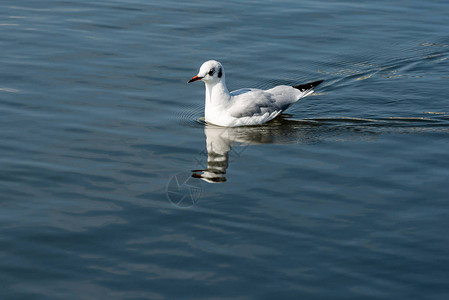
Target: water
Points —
{"points": [[344, 198]]}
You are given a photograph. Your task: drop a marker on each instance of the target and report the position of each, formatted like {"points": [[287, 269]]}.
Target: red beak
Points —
{"points": [[195, 78]]}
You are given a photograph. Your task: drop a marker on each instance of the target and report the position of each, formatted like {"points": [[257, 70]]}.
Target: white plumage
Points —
{"points": [[245, 107]]}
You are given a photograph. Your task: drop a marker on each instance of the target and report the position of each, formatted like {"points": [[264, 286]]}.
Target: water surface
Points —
{"points": [[345, 197]]}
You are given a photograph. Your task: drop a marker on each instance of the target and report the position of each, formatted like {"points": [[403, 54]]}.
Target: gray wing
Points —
{"points": [[285, 96], [255, 102], [252, 103]]}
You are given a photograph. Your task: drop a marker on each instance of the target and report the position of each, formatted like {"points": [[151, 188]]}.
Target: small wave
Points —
{"points": [[192, 116], [407, 63], [388, 121]]}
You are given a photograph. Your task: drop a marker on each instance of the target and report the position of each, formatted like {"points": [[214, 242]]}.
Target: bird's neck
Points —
{"points": [[217, 92], [217, 97]]}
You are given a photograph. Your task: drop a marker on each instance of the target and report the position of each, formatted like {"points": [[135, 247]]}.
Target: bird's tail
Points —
{"points": [[307, 88]]}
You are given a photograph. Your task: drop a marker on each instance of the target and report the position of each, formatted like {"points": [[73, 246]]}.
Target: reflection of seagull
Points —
{"points": [[227, 145], [245, 106], [218, 144]]}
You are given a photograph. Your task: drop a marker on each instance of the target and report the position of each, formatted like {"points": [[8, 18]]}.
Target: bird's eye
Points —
{"points": [[211, 72]]}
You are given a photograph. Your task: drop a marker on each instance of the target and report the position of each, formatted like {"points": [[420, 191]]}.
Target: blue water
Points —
{"points": [[344, 197]]}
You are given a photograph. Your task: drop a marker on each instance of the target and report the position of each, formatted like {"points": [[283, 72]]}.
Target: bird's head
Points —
{"points": [[210, 72]]}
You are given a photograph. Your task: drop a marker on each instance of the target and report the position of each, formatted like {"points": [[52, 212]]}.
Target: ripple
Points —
{"points": [[407, 63], [9, 90], [191, 116], [389, 121]]}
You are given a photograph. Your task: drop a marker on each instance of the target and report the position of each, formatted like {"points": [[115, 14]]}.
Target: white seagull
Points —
{"points": [[245, 107]]}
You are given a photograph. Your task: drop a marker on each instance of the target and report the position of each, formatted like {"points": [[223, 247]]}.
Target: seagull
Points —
{"points": [[245, 107]]}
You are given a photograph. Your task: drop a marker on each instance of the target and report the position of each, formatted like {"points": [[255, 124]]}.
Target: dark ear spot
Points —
{"points": [[220, 73]]}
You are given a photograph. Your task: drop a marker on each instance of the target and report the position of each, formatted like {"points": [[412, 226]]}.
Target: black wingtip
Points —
{"points": [[308, 86]]}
